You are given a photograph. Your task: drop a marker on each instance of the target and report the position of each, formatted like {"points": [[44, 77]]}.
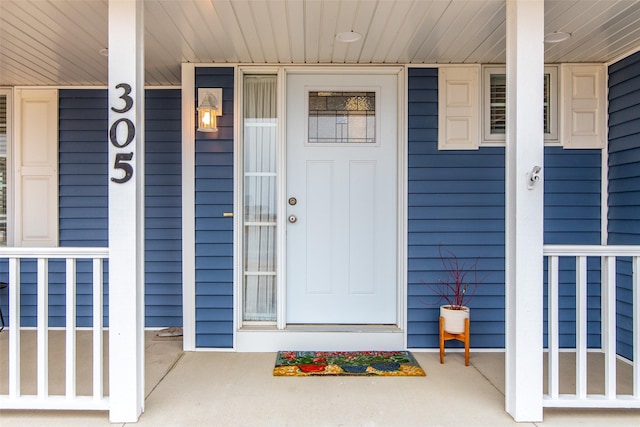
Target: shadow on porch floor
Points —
{"points": [[238, 389]]}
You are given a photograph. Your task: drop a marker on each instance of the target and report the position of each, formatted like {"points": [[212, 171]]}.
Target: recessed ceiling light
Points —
{"points": [[557, 37], [348, 37], [104, 51]]}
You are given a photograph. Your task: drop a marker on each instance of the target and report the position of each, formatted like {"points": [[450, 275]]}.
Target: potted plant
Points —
{"points": [[456, 290]]}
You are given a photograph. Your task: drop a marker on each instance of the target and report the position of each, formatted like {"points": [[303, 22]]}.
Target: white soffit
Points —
{"points": [[57, 42]]}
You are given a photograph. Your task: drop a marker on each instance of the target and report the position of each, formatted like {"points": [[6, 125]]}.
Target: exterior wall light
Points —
{"points": [[210, 107]]}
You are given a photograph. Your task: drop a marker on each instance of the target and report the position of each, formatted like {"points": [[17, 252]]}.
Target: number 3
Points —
{"points": [[128, 101]]}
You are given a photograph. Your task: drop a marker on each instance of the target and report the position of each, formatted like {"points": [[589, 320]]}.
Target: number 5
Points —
{"points": [[120, 163]]}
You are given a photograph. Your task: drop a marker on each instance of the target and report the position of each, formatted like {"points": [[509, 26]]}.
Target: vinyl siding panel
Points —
{"points": [[163, 208], [83, 193], [214, 234], [457, 199], [624, 184]]}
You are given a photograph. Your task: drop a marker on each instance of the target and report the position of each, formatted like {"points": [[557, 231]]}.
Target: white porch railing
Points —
{"points": [[44, 400], [608, 256]]}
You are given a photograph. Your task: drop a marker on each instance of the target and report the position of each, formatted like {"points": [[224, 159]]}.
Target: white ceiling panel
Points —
{"points": [[56, 42]]}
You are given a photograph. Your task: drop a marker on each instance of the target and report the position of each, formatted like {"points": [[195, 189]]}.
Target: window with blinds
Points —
{"points": [[495, 104]]}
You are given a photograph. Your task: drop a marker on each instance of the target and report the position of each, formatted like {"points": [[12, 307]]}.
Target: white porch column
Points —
{"points": [[126, 210], [524, 209]]}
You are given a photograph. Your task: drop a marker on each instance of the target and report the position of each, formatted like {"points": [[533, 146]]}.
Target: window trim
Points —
{"points": [[550, 138], [9, 192]]}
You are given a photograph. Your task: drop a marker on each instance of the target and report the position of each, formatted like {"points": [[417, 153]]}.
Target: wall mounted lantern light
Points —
{"points": [[209, 107]]}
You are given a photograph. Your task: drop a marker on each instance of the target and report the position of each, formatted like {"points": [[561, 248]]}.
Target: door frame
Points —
{"points": [[279, 336]]}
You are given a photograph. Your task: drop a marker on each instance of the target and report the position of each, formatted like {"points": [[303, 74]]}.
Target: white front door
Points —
{"points": [[341, 199]]}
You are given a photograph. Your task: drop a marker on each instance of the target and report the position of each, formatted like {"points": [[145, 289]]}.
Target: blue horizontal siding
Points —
{"points": [[83, 206], [163, 208], [214, 234], [457, 198], [624, 184]]}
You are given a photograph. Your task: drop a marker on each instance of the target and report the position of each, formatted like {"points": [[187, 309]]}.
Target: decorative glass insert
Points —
{"points": [[342, 117]]}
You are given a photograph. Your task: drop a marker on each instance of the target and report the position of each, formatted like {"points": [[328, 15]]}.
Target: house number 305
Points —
{"points": [[122, 139]]}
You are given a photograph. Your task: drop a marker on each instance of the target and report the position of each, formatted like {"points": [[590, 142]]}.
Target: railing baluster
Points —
{"points": [[70, 329], [636, 326], [14, 328], [581, 326], [98, 369], [610, 283], [43, 328], [609, 324], [43, 399], [552, 322]]}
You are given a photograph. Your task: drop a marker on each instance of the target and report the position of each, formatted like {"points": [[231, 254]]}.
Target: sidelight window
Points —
{"points": [[260, 152]]}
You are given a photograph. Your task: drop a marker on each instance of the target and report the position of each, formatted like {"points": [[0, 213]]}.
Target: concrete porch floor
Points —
{"points": [[238, 389]]}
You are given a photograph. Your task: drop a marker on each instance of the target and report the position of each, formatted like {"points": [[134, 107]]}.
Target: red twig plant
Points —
{"points": [[459, 286]]}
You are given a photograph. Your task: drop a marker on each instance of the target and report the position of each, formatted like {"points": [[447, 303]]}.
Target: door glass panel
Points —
{"points": [[260, 150], [342, 117]]}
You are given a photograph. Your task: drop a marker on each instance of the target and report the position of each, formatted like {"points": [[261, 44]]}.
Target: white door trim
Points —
{"points": [[279, 337]]}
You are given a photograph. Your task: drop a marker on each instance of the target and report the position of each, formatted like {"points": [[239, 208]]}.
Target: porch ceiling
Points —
{"points": [[56, 42]]}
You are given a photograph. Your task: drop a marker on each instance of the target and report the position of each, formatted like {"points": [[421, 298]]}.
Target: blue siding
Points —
{"points": [[624, 182], [573, 216], [83, 207], [83, 189], [214, 234], [457, 198], [163, 208]]}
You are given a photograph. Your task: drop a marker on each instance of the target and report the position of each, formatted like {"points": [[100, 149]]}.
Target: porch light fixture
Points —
{"points": [[348, 36], [209, 109], [557, 37]]}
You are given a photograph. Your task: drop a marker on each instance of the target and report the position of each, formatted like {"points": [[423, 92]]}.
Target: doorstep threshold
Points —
{"points": [[346, 328]]}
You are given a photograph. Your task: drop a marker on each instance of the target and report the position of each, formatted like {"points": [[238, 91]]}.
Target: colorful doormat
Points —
{"points": [[363, 363]]}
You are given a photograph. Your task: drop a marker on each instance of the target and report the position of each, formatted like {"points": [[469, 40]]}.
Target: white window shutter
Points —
{"points": [[459, 108], [36, 166], [584, 122]]}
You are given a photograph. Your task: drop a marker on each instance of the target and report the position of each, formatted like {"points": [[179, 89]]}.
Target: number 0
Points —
{"points": [[113, 133]]}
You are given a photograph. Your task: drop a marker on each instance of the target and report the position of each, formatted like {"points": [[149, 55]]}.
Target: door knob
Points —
{"points": [[292, 219]]}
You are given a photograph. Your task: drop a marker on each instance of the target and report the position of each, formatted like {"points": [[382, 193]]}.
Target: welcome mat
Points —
{"points": [[362, 363]]}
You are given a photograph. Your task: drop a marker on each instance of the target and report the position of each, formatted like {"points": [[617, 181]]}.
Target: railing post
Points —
{"points": [[70, 329], [552, 322], [43, 328], [636, 327], [98, 334], [609, 324], [14, 328], [581, 326]]}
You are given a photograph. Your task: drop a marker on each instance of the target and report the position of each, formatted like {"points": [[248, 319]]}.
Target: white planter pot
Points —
{"points": [[454, 319]]}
